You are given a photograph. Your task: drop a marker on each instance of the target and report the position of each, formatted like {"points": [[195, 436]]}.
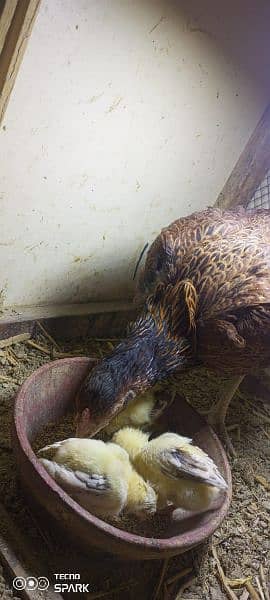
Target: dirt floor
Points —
{"points": [[235, 563]]}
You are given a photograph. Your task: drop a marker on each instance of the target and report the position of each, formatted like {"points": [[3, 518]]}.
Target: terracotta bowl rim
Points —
{"points": [[189, 538]]}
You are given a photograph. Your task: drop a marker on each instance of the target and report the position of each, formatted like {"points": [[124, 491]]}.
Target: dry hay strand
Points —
{"points": [[15, 339], [115, 590], [260, 590], [38, 347], [161, 578], [184, 587], [227, 583], [48, 336], [264, 583], [178, 576], [263, 481], [252, 592]]}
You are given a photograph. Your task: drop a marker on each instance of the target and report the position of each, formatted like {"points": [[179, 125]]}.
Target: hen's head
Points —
{"points": [[158, 343], [100, 399]]}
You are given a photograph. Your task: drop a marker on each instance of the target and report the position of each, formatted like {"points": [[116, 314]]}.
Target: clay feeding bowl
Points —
{"points": [[48, 395]]}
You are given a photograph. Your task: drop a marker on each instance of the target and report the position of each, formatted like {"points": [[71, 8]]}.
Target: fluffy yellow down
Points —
{"points": [[137, 414], [98, 476], [180, 473], [130, 439]]}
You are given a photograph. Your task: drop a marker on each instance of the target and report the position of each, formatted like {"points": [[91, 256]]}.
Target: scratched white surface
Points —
{"points": [[125, 115]]}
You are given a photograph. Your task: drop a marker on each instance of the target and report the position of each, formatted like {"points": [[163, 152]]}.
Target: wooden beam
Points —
{"points": [[7, 12], [18, 314], [16, 23], [251, 167]]}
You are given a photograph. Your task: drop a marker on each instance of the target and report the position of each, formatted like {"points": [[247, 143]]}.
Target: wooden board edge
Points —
{"points": [[108, 320], [6, 16], [32, 313], [14, 46], [250, 169]]}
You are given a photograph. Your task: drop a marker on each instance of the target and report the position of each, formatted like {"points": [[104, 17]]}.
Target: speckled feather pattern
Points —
{"points": [[166, 258], [211, 272]]}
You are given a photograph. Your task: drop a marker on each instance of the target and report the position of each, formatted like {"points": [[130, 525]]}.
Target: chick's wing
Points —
{"points": [[75, 481], [190, 463]]}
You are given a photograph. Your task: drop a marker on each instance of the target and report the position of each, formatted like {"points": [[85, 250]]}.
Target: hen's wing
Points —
{"points": [[237, 343], [179, 248], [178, 238]]}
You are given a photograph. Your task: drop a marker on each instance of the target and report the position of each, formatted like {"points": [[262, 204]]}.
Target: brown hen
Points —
{"points": [[205, 295]]}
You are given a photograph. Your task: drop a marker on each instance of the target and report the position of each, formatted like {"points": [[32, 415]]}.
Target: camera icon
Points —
{"points": [[30, 583], [43, 583], [19, 583]]}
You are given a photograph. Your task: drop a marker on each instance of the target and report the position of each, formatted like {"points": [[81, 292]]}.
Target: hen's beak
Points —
{"points": [[87, 425], [83, 425]]}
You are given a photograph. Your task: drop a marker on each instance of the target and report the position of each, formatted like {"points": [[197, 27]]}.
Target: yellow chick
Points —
{"points": [[181, 474], [140, 412], [141, 496], [131, 440], [99, 477]]}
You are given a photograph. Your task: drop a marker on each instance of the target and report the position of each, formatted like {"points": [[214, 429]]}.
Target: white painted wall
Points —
{"points": [[125, 115]]}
